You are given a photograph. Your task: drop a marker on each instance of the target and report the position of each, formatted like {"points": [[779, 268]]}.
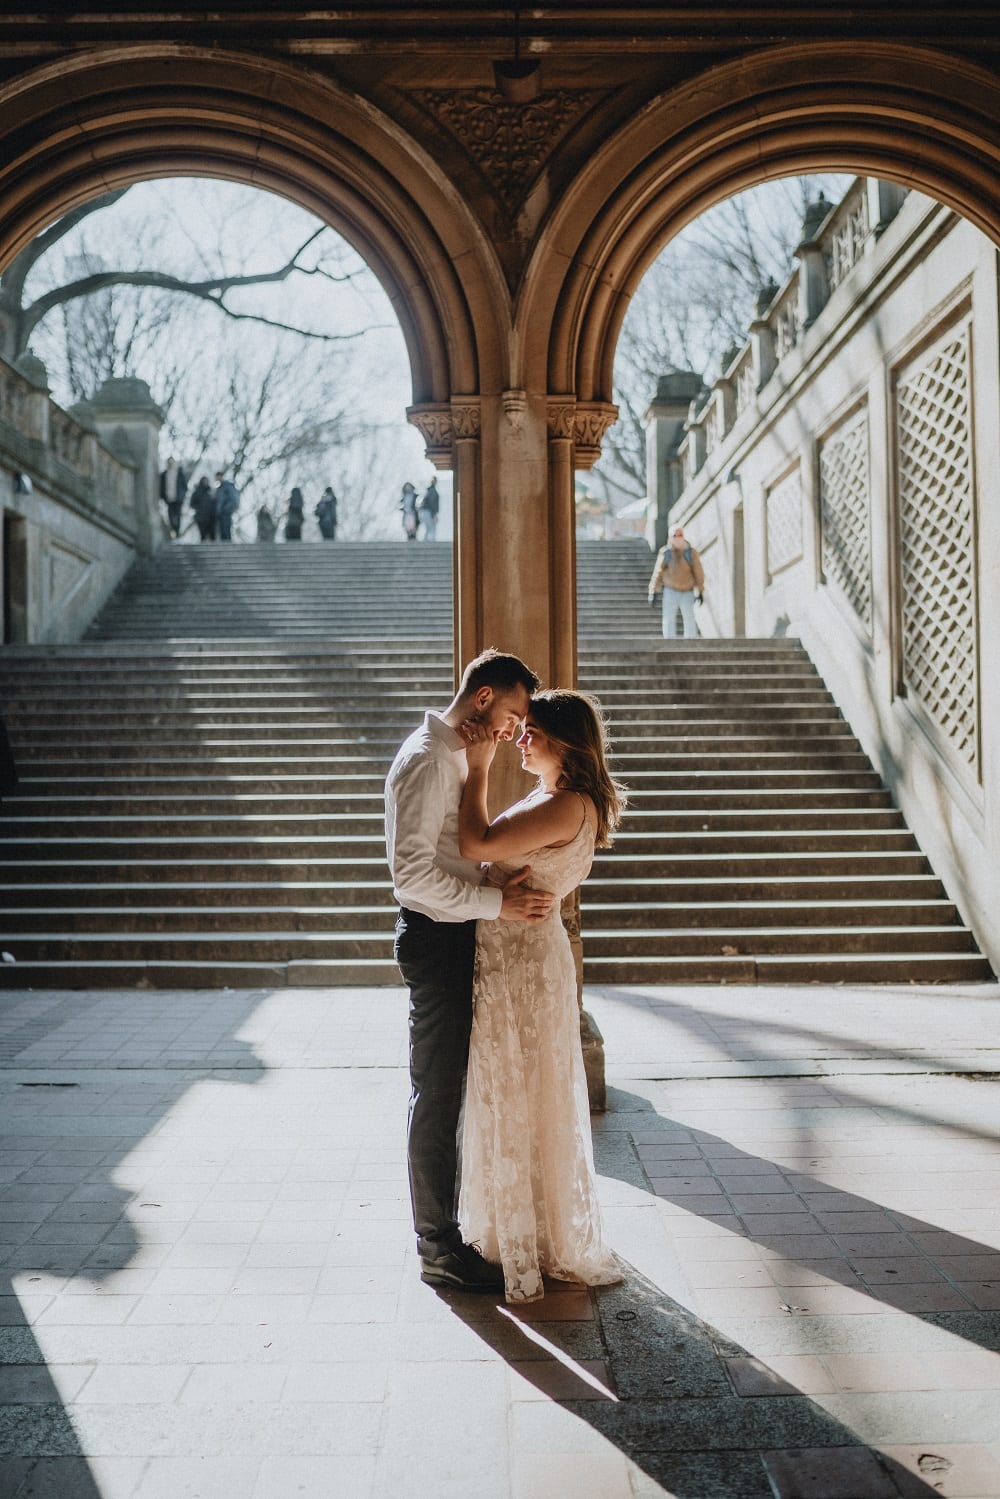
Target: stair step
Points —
{"points": [[201, 803], [814, 968]]}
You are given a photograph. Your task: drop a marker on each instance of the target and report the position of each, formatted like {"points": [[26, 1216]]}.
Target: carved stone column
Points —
{"points": [[514, 456], [467, 563], [574, 435]]}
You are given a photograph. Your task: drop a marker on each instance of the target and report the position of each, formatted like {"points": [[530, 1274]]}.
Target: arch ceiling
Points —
{"points": [[531, 291], [107, 120], [905, 114]]}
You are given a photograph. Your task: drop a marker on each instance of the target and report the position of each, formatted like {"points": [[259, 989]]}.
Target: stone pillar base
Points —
{"points": [[593, 1060]]}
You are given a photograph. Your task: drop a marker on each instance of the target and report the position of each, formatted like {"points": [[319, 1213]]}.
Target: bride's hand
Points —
{"points": [[480, 744]]}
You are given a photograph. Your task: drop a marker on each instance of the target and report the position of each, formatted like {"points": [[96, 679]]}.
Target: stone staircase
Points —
{"points": [[201, 794]]}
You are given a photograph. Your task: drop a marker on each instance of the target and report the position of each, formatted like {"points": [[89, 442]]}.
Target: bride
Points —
{"points": [[528, 1194]]}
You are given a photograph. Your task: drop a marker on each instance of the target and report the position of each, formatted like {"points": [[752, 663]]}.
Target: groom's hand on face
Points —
{"points": [[521, 904]]}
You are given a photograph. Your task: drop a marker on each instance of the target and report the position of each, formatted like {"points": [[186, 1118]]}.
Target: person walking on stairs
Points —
{"points": [[408, 506], [294, 515], [441, 896], [227, 502], [429, 506], [326, 514], [203, 505], [679, 573], [173, 488]]}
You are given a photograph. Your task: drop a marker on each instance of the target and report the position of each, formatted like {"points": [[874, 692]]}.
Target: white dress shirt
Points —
{"points": [[422, 793]]}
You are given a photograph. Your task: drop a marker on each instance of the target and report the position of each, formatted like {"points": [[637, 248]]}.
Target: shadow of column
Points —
{"points": [[65, 1218]]}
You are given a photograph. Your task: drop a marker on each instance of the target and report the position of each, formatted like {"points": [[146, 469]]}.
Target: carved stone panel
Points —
{"points": [[509, 143]]}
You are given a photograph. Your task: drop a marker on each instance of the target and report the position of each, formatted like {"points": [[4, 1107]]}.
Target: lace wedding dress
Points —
{"points": [[528, 1194]]}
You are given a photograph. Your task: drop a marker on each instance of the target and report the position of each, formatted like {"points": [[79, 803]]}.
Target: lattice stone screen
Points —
{"points": [[783, 512], [844, 513], [936, 536]]}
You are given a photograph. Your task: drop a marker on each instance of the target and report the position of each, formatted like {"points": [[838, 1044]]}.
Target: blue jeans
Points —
{"points": [[674, 599], [436, 959]]}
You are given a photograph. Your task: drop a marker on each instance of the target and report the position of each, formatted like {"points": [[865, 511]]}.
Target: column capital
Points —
{"points": [[466, 417], [560, 413], [433, 422], [590, 423]]}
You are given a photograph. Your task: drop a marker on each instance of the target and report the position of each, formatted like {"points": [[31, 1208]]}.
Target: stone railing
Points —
{"points": [[846, 234], [62, 457], [842, 235]]}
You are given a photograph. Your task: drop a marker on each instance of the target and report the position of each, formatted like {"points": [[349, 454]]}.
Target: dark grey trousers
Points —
{"points": [[436, 959]]}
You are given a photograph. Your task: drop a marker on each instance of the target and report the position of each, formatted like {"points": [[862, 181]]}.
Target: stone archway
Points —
{"points": [[511, 359], [927, 120], [109, 120]]}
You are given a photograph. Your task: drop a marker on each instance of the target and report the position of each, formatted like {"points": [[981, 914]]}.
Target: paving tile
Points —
{"points": [[217, 1384], [41, 1383], [551, 1379], [596, 1476], [310, 1478], [796, 1374], [929, 1297], [956, 1472], [722, 1274], [829, 1473], [906, 1270], [558, 1306], [773, 1229], [198, 1478], [825, 1301], [985, 1295], [806, 1272], [873, 1246], [695, 1202], [967, 1369]]}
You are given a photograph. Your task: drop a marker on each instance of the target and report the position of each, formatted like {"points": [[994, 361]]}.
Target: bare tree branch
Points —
{"points": [[13, 279]]}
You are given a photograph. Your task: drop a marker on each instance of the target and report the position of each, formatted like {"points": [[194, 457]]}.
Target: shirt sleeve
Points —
{"points": [[421, 792]]}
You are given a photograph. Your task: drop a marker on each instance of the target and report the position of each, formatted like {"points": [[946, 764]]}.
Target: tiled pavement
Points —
{"points": [[212, 1289]]}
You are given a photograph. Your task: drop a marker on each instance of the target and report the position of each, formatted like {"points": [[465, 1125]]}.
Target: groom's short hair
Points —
{"points": [[502, 672]]}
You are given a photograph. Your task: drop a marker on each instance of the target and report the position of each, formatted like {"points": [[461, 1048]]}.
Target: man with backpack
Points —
{"points": [[679, 573]]}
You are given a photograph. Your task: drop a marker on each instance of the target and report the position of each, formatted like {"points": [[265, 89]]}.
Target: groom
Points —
{"points": [[441, 896]]}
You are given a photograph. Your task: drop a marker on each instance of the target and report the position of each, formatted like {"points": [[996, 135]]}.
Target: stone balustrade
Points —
{"points": [[836, 237], [78, 495], [845, 498]]}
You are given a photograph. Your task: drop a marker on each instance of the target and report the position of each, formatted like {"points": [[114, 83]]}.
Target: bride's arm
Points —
{"points": [[518, 831]]}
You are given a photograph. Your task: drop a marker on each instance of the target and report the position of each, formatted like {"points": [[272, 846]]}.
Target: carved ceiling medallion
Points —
{"points": [[510, 143]]}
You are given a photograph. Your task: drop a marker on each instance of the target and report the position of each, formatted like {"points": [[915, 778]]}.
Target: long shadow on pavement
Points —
{"points": [[674, 1408], [65, 1218]]}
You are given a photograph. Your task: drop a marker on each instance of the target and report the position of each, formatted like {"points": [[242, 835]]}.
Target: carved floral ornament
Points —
{"points": [[510, 143]]}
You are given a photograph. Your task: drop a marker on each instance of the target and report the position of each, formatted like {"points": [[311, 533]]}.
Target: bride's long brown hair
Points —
{"points": [[574, 724]]}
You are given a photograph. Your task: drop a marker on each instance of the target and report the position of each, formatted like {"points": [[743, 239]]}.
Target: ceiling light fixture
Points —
{"points": [[518, 81]]}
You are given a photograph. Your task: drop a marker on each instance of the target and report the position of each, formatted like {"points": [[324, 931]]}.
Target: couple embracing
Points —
{"points": [[503, 1192]]}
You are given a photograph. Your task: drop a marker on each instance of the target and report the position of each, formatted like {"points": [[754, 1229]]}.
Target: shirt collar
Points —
{"points": [[447, 735]]}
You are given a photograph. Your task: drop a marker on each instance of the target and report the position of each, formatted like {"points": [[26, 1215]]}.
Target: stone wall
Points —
{"points": [[78, 496], [854, 445]]}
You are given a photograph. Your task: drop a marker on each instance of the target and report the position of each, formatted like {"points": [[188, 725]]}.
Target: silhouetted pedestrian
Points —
{"points": [[326, 514], [173, 488], [203, 505], [227, 502], [408, 505], [294, 516], [429, 507], [267, 528]]}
